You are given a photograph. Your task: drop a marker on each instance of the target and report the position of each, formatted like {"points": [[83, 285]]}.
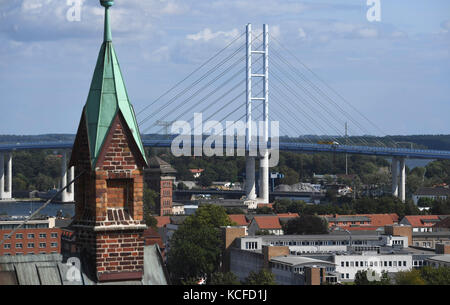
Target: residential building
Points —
{"points": [[433, 193], [422, 223], [430, 239], [361, 221], [36, 237], [270, 224]]}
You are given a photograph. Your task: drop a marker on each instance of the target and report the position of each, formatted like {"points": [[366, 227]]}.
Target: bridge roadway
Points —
{"points": [[283, 146]]}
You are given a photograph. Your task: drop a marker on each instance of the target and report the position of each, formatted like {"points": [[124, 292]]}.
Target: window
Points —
{"points": [[356, 264], [346, 264], [6, 236], [54, 245], [352, 264], [7, 246], [390, 263], [42, 245], [347, 275], [19, 236], [30, 235], [19, 246], [30, 245], [342, 264], [42, 235], [54, 235]]}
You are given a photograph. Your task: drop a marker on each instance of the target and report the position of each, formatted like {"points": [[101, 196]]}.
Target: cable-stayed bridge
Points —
{"points": [[233, 86]]}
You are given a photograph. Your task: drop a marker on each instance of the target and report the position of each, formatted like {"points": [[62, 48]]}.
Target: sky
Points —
{"points": [[396, 71]]}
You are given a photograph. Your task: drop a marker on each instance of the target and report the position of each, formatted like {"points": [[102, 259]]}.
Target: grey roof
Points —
{"points": [[348, 218], [432, 234], [441, 258], [433, 191], [156, 164], [52, 269], [319, 237], [62, 223], [295, 260]]}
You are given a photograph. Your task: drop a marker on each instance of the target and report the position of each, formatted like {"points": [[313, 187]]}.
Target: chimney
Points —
{"points": [[229, 235]]}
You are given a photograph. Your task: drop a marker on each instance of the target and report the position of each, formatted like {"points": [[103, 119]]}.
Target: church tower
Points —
{"points": [[109, 155]]}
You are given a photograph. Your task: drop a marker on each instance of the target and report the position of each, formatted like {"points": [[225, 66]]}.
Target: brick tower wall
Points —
{"points": [[109, 197]]}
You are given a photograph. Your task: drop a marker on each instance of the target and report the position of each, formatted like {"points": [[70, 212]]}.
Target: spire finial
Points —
{"points": [[107, 4]]}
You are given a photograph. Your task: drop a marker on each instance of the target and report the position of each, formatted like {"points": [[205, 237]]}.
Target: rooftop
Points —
{"points": [[53, 269], [295, 260]]}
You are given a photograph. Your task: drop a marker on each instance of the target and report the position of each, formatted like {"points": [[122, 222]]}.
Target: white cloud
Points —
{"points": [[206, 35]]}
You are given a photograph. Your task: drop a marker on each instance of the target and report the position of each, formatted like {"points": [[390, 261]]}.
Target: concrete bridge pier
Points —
{"points": [[264, 178], [402, 186], [399, 187], [250, 189], [68, 194], [6, 186], [394, 172]]}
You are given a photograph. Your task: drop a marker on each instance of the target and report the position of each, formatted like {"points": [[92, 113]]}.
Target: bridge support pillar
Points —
{"points": [[402, 186], [250, 178], [264, 178], [70, 189], [64, 194], [6, 186], [394, 171]]}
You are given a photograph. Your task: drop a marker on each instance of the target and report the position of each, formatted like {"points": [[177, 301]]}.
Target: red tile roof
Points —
{"points": [[239, 219], [417, 221], [267, 222], [162, 221], [382, 220], [261, 205], [378, 220]]}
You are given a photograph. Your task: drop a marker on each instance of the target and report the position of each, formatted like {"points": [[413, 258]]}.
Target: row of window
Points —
{"points": [[251, 245], [32, 235], [26, 226], [373, 264], [30, 245], [318, 243], [31, 253]]}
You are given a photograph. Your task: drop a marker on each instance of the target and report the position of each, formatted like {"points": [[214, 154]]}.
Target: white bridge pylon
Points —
{"points": [[250, 189]]}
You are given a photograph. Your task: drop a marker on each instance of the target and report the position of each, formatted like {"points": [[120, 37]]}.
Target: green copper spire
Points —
{"points": [[107, 5], [107, 97]]}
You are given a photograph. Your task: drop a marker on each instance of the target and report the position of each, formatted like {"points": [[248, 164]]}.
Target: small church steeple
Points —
{"points": [[108, 150]]}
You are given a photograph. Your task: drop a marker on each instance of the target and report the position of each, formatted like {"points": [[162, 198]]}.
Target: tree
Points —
{"points": [[235, 211], [224, 278], [412, 277], [195, 248], [361, 278], [263, 277], [436, 276], [307, 224], [264, 210], [149, 200]]}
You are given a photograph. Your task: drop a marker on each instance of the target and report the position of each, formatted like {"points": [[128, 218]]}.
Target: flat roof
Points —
{"points": [[441, 258], [298, 260], [319, 237]]}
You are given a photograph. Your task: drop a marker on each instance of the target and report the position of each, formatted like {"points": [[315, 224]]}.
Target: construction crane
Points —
{"points": [[165, 124]]}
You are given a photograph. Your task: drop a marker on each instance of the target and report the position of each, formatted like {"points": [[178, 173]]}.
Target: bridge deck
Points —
{"points": [[284, 146]]}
